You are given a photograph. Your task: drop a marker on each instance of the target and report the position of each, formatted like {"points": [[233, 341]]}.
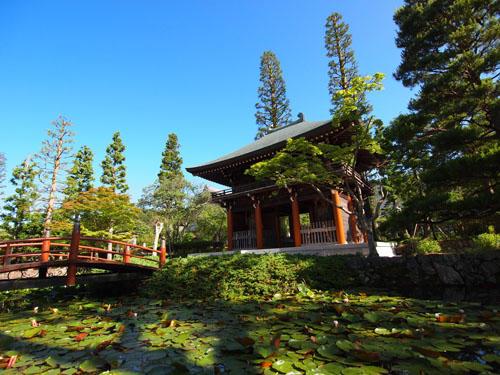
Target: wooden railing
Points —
{"points": [[73, 251], [318, 232]]}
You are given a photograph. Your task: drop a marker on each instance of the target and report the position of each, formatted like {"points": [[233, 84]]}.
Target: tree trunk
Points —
{"points": [[53, 184], [158, 229]]}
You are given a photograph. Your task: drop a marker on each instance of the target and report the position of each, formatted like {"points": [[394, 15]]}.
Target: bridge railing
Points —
{"points": [[74, 250]]}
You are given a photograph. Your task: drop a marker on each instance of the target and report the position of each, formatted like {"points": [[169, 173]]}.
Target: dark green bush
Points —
{"points": [[232, 276]]}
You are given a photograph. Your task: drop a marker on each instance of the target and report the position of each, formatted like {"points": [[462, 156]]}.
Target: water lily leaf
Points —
{"points": [[275, 341], [365, 355], [34, 370], [491, 358], [328, 351], [426, 352], [346, 345], [332, 368], [476, 366], [265, 351], [318, 371], [353, 371], [93, 364], [30, 333], [81, 336], [181, 338], [6, 341], [245, 341], [450, 318], [283, 366], [375, 370]]}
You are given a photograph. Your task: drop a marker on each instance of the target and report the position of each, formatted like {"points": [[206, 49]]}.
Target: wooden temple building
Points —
{"points": [[262, 215]]}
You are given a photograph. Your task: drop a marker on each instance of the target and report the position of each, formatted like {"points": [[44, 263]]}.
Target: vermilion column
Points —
{"points": [[352, 219], [337, 216], [296, 222], [73, 254], [229, 228], [258, 226]]}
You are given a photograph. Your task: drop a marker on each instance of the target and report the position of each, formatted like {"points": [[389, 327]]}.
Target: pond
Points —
{"points": [[69, 331]]}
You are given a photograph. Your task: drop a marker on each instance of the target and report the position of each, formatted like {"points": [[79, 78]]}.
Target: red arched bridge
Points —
{"points": [[20, 259]]}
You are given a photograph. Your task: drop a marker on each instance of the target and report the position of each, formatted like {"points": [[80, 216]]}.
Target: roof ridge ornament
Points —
{"points": [[301, 118]]}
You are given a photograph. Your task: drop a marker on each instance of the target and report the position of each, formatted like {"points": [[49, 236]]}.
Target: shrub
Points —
{"points": [[489, 240], [427, 246], [233, 276], [190, 247]]}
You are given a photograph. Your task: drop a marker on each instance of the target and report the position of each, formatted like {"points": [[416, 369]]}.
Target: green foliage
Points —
{"points": [[449, 141], [273, 108], [100, 209], [81, 175], [211, 223], [490, 240], [427, 246], [2, 172], [171, 162], [251, 275], [113, 170], [19, 207]]}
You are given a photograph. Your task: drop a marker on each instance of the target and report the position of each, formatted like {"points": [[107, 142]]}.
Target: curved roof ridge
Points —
{"points": [[271, 141]]}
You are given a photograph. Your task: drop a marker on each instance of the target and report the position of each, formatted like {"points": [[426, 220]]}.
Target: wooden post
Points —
{"points": [[6, 259], [352, 219], [229, 228], [258, 225], [126, 254], [337, 215], [163, 252], [73, 253], [44, 257], [296, 221]]}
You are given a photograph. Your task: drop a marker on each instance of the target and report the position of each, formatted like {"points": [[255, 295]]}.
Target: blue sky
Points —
{"points": [[150, 68]]}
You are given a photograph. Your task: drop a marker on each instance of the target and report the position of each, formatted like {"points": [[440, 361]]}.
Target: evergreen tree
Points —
{"points": [[171, 162], [450, 50], [273, 109], [18, 208], [342, 66], [113, 170], [52, 161], [81, 175]]}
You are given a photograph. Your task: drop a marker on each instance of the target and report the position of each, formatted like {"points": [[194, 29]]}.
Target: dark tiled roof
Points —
{"points": [[272, 141]]}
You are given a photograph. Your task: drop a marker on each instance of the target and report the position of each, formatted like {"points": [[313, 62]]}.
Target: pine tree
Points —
{"points": [[18, 207], [81, 175], [52, 161], [113, 170], [273, 109], [171, 162], [450, 52]]}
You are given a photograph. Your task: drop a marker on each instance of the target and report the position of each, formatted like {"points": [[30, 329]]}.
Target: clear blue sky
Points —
{"points": [[150, 68]]}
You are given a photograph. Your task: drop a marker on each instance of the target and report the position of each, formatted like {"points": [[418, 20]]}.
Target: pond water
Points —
{"points": [[73, 331]]}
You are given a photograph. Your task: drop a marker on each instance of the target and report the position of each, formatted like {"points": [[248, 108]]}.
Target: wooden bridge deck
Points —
{"points": [[17, 256]]}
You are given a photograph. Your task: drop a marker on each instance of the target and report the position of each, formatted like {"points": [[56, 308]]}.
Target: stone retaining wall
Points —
{"points": [[439, 270]]}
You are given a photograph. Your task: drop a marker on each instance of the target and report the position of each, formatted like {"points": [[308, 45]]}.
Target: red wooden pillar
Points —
{"points": [[229, 228], [163, 252], [44, 257], [352, 219], [258, 225], [277, 227], [126, 254], [6, 259], [296, 221], [73, 254], [337, 215]]}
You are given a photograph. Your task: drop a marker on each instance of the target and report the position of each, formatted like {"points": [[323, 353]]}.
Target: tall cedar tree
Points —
{"points": [[305, 162], [52, 161], [273, 109], [81, 175], [113, 170], [18, 207], [2, 172], [450, 51], [171, 162], [342, 65]]}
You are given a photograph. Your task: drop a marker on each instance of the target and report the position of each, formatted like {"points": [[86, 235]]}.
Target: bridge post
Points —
{"points": [[126, 254], [163, 252], [44, 257], [73, 253], [6, 259]]}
